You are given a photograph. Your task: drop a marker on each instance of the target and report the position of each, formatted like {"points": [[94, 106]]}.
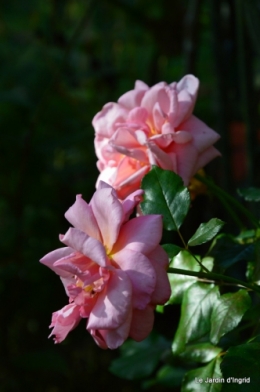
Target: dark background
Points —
{"points": [[61, 61]]}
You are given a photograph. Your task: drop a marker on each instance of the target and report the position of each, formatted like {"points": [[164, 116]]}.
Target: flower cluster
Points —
{"points": [[113, 269], [152, 126]]}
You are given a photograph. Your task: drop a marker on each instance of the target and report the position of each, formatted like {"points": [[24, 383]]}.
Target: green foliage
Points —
{"points": [[227, 313], [165, 194], [180, 283], [200, 352], [206, 232], [227, 251], [242, 363], [171, 249], [202, 379], [197, 305], [250, 194]]}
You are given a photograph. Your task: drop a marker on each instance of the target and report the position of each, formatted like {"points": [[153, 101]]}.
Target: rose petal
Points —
{"points": [[132, 98], [141, 272], [162, 290], [113, 338], [113, 303], [203, 136], [88, 246], [52, 257], [141, 234], [109, 214], [131, 202], [63, 321], [81, 216], [105, 121], [142, 323]]}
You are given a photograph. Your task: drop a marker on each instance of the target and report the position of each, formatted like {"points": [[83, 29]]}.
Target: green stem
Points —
{"points": [[182, 239], [187, 248], [215, 277], [198, 261], [221, 194]]}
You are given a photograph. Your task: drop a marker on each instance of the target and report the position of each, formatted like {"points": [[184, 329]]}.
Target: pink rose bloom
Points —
{"points": [[113, 269], [152, 126]]}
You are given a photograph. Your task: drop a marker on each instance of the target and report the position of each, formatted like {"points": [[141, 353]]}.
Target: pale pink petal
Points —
{"points": [[162, 291], [104, 150], [113, 303], [140, 85], [164, 99], [187, 94], [142, 323], [159, 157], [88, 246], [203, 136], [125, 142], [105, 185], [55, 255], [131, 202], [141, 272], [205, 158], [164, 140], [107, 175], [87, 277], [189, 83], [105, 121], [187, 156], [132, 98], [128, 176], [63, 321], [159, 117], [109, 214], [80, 215], [151, 97], [137, 115], [113, 338], [141, 234]]}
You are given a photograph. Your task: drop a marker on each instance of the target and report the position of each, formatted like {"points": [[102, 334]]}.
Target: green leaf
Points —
{"points": [[200, 352], [204, 379], [227, 252], [197, 305], [227, 313], [206, 232], [250, 194], [171, 250], [180, 283], [240, 368], [139, 360], [165, 194]]}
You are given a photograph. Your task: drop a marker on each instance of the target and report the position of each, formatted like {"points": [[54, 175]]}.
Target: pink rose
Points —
{"points": [[152, 126], [113, 269]]}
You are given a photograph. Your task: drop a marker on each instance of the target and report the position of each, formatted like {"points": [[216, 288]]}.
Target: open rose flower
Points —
{"points": [[152, 126], [113, 269]]}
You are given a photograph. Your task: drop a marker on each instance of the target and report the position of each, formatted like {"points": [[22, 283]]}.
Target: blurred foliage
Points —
{"points": [[60, 62]]}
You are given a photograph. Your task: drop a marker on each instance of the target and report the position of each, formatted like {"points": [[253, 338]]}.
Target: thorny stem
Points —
{"points": [[215, 277]]}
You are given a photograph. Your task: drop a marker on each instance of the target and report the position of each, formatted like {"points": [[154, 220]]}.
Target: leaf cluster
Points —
{"points": [[216, 308]]}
